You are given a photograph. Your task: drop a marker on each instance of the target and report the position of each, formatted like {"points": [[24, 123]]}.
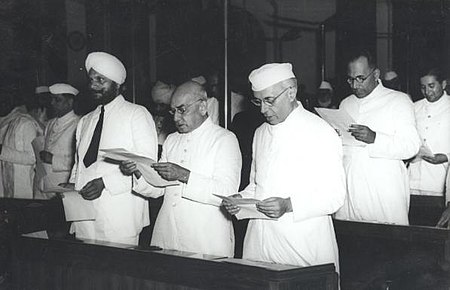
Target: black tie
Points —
{"points": [[92, 152]]}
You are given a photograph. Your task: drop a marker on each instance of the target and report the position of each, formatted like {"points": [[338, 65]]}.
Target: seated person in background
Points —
{"points": [[427, 173], [115, 123], [292, 151], [17, 159], [205, 159], [377, 178], [59, 141], [325, 96]]}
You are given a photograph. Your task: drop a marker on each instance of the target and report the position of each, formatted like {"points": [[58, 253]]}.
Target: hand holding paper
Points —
{"points": [[143, 165], [340, 120], [274, 207], [242, 208]]}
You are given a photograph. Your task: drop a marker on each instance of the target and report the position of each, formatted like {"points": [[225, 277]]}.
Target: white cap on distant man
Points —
{"points": [[269, 75], [161, 93], [61, 88], [324, 85], [41, 90], [200, 80], [390, 75], [107, 65]]}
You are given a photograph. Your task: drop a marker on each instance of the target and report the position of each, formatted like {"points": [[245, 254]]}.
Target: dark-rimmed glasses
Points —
{"points": [[359, 79], [183, 108], [270, 101]]}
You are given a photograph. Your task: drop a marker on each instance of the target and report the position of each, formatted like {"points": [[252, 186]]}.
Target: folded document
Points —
{"points": [[144, 165], [76, 208], [247, 207]]}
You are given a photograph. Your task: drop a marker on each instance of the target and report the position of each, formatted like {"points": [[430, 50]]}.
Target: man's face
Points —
{"points": [[324, 95], [103, 89], [275, 102], [61, 104], [431, 88], [188, 111], [359, 70]]}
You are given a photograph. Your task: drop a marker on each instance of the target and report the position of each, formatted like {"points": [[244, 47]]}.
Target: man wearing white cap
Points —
{"points": [[59, 141], [205, 159], [291, 153], [325, 96], [377, 179], [115, 123]]}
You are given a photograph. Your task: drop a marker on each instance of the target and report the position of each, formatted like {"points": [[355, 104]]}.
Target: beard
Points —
{"points": [[105, 95]]}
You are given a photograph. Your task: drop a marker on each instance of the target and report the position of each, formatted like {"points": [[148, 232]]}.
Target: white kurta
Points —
{"points": [[4, 121], [190, 218], [433, 125], [60, 141], [300, 159], [121, 215], [377, 179], [17, 157]]}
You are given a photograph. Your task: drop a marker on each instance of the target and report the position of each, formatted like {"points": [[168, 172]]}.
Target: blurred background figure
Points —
{"points": [[211, 86], [161, 94], [391, 80], [325, 96], [44, 99]]}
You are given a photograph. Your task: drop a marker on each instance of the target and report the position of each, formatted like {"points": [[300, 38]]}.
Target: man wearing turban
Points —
{"points": [[293, 150], [115, 123]]}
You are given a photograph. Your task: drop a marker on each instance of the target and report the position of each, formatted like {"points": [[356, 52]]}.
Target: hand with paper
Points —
{"points": [[172, 172], [274, 207], [362, 133], [93, 189], [340, 120], [247, 208], [143, 166], [425, 153]]}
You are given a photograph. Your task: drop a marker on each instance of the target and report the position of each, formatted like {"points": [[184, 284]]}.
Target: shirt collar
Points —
{"points": [[117, 101], [202, 128], [67, 117]]}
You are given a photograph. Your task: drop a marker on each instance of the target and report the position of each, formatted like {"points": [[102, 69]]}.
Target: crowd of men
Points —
{"points": [[300, 170]]}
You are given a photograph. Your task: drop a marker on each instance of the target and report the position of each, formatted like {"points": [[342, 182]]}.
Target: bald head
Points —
{"points": [[188, 106]]}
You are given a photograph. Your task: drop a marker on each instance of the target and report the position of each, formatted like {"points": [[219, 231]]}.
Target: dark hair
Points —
{"points": [[435, 72], [354, 55]]}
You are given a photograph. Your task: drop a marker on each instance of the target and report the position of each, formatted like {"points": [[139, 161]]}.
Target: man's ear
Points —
{"points": [[203, 107], [292, 94], [376, 74]]}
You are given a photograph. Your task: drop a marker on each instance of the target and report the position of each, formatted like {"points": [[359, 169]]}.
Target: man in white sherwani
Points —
{"points": [[115, 123], [57, 157], [292, 153], [17, 158], [206, 160], [377, 178]]}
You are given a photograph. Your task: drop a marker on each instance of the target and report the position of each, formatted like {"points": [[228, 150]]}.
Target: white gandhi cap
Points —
{"points": [[57, 89], [269, 75], [41, 89], [108, 65]]}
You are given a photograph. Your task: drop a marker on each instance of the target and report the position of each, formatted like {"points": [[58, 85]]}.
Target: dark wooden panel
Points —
{"points": [[53, 264]]}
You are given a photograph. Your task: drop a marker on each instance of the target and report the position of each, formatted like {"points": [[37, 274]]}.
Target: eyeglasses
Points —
{"points": [[359, 79], [270, 101], [182, 109]]}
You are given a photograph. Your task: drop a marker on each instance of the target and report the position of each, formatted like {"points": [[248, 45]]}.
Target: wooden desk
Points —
{"points": [[58, 264], [406, 257]]}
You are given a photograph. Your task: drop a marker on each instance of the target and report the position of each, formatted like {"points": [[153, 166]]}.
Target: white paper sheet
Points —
{"points": [[38, 146], [143, 164], [247, 207], [340, 120], [76, 208]]}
